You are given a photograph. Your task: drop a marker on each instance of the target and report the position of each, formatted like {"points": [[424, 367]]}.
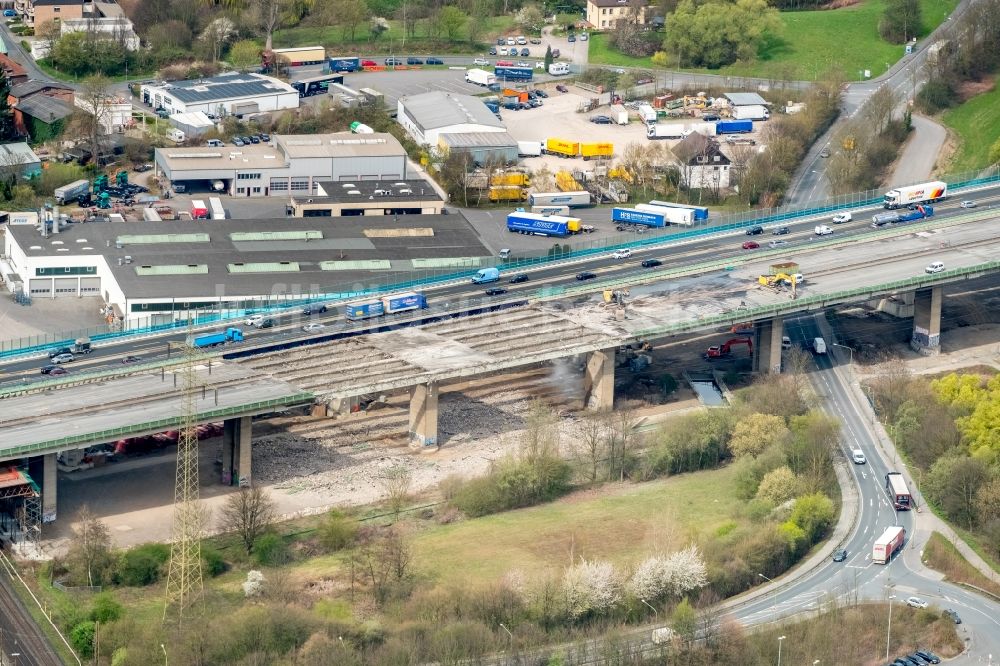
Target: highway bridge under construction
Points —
{"points": [[586, 320]]}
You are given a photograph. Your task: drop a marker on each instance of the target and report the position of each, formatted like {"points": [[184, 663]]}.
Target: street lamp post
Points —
{"points": [[163, 647], [850, 349], [508, 632], [656, 615], [780, 639], [888, 631]]}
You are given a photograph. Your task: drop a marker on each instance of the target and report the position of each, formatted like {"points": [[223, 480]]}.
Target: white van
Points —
{"points": [[176, 135], [819, 345]]}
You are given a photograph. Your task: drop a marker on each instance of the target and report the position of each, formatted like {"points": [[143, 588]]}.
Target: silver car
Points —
{"points": [[62, 358]]}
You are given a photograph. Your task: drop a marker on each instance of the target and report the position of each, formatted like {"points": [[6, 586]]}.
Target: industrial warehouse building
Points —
{"points": [[289, 164], [230, 94], [428, 115], [151, 274], [481, 147], [370, 197]]}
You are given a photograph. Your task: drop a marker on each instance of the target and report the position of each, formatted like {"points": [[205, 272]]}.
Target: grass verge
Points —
{"points": [[617, 523], [810, 43], [362, 44], [977, 124], [941, 554]]}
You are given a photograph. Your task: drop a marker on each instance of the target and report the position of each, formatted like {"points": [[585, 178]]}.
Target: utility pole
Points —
{"points": [[184, 577]]}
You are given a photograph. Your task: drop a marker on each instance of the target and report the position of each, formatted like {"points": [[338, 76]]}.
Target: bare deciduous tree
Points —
{"points": [[395, 483], [593, 442], [247, 512], [90, 552]]}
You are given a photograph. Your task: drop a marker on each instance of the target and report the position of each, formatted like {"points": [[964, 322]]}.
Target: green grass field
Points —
{"points": [[977, 124], [810, 43], [333, 38], [621, 524]]}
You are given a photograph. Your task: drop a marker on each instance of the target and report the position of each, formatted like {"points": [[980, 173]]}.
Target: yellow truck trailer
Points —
{"points": [[596, 150], [507, 193], [510, 178], [562, 148]]}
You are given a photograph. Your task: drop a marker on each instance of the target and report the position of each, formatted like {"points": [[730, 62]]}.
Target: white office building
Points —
{"points": [[230, 94]]}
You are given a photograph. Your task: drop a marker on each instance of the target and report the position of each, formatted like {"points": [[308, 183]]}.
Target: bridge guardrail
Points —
{"points": [[111, 434], [583, 250]]}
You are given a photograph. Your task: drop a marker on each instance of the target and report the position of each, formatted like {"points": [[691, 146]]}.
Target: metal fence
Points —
{"points": [[569, 250]]}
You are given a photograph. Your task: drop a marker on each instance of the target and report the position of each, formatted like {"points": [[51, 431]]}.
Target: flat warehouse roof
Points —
{"points": [[343, 192], [243, 259]]}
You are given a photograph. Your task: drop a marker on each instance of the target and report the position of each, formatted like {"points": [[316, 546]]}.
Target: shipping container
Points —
{"points": [[403, 302], [510, 178], [69, 193], [596, 150], [480, 77], [682, 216], [571, 199], [218, 212], [506, 193], [561, 148], [529, 148], [733, 126], [199, 211], [700, 212], [305, 55], [550, 210]]}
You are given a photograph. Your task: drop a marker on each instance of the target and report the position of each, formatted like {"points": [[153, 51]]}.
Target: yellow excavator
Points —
{"points": [[778, 280]]}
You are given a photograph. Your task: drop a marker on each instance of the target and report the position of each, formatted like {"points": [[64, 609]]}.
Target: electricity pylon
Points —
{"points": [[184, 578]]}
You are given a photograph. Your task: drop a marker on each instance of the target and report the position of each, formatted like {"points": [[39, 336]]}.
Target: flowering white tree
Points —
{"points": [[669, 575], [591, 587]]}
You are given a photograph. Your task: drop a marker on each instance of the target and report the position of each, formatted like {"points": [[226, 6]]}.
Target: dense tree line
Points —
{"points": [[718, 32]]}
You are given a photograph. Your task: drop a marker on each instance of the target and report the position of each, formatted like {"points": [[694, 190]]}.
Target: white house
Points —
{"points": [[114, 113], [428, 115]]}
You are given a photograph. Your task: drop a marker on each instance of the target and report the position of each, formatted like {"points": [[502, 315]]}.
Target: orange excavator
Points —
{"points": [[725, 350]]}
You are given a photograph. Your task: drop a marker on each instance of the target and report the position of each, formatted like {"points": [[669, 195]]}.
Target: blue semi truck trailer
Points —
{"points": [[543, 225], [231, 334], [643, 217], [733, 126], [377, 307], [345, 64], [918, 213], [513, 73]]}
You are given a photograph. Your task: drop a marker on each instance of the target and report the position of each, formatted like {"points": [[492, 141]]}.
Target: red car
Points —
{"points": [[750, 245], [505, 63], [369, 63]]}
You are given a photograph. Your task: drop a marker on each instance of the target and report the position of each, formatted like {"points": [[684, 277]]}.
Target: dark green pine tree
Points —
{"points": [[7, 131]]}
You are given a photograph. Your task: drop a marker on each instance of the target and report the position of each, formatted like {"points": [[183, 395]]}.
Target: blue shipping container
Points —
{"points": [[733, 126], [513, 73], [528, 223], [355, 311], [412, 301], [345, 64], [634, 216]]}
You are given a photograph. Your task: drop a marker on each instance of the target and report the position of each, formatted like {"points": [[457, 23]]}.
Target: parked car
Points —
{"points": [[523, 63], [535, 40], [651, 263], [561, 88], [142, 168], [601, 120], [929, 656], [621, 254], [586, 275], [953, 615], [59, 359], [786, 342], [511, 41], [496, 291], [542, 94], [584, 36], [755, 230], [750, 245], [525, 52], [555, 53], [839, 555], [968, 203], [571, 38], [312, 328], [481, 62], [711, 117], [131, 359], [493, 50], [369, 63], [841, 218], [935, 267], [253, 138], [518, 279], [237, 141], [501, 41], [521, 39], [414, 61], [435, 61], [314, 309], [858, 456], [390, 62], [916, 602], [264, 136], [780, 231]]}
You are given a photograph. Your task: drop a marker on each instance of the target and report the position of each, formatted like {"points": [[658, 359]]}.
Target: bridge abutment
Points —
{"points": [[599, 380], [424, 415], [767, 352], [927, 321]]}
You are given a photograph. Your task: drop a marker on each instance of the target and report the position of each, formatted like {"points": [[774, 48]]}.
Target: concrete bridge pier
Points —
{"points": [[927, 321], [767, 349], [424, 415], [599, 380], [237, 450], [50, 487]]}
